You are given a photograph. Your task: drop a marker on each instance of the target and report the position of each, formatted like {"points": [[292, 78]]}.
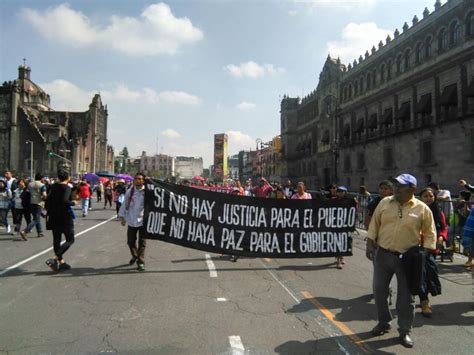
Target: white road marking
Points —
{"points": [[211, 266], [236, 344], [4, 271], [221, 299]]}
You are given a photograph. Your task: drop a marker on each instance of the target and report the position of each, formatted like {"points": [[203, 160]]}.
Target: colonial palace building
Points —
{"points": [[407, 105]]}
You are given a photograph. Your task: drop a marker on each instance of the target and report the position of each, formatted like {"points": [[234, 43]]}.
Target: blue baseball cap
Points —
{"points": [[341, 188], [405, 179]]}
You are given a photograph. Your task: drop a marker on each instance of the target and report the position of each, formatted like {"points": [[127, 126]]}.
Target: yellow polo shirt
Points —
{"points": [[398, 227]]}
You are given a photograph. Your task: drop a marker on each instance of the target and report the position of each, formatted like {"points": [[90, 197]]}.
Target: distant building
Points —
{"points": [[158, 165], [233, 167], [270, 160], [188, 167], [26, 115], [407, 105], [220, 157]]}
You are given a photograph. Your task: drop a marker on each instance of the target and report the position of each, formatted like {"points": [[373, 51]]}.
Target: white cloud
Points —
{"points": [[66, 96], [245, 106], [239, 141], [341, 4], [356, 39], [156, 31], [292, 13], [252, 70], [170, 133], [178, 97]]}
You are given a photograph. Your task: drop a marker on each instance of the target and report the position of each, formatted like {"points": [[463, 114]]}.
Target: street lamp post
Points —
{"points": [[31, 159], [335, 142]]}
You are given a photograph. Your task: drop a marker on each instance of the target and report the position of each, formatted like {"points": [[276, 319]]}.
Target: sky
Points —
{"points": [[174, 73]]}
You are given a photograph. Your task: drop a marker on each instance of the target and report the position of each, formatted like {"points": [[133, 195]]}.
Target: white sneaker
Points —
{"points": [[9, 229]]}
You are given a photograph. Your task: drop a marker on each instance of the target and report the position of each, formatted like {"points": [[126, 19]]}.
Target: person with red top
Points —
{"points": [[301, 194], [238, 185], [85, 195], [263, 190], [428, 196]]}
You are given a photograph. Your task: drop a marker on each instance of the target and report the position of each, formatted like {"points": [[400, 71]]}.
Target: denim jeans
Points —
{"points": [[36, 214], [85, 206]]}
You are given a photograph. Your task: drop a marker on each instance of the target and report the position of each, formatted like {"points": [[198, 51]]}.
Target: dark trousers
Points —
{"points": [[68, 232], [136, 251], [385, 266], [99, 195], [21, 213], [117, 206], [107, 198]]}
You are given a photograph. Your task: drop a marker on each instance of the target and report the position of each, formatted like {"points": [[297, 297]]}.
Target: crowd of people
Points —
{"points": [[400, 227]]}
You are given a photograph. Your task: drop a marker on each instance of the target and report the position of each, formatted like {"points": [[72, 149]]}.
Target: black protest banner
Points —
{"points": [[247, 226]]}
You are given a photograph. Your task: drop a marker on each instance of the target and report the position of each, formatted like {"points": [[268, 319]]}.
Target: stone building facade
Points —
{"points": [[26, 116], [405, 106]]}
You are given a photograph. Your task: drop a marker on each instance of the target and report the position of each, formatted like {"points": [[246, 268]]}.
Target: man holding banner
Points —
{"points": [[131, 213]]}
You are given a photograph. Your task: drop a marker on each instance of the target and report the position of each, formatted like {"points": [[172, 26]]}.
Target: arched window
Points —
{"points": [[356, 88], [368, 81], [389, 70], [406, 60], [399, 64], [350, 91], [361, 85], [442, 40], [428, 47], [454, 33], [470, 24], [374, 78], [382, 73], [418, 53]]}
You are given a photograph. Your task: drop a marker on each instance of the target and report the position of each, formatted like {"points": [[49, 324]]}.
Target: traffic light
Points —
{"points": [[50, 154]]}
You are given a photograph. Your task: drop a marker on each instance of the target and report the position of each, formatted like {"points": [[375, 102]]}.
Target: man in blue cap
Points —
{"points": [[394, 228]]}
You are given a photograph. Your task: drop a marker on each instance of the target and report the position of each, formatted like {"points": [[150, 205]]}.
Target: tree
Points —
{"points": [[124, 153]]}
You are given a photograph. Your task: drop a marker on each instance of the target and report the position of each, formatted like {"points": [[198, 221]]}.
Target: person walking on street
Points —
{"points": [[131, 213], [60, 219], [85, 195], [11, 185], [301, 193], [108, 192], [5, 197], [119, 191], [37, 190], [396, 226], [263, 189], [21, 198], [341, 193]]}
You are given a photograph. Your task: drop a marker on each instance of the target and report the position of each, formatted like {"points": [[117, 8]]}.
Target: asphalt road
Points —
{"points": [[181, 305]]}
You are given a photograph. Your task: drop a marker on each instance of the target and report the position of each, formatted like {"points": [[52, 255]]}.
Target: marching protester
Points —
{"points": [[467, 238], [288, 190], [119, 191], [385, 190], [100, 189], [301, 193], [38, 195], [238, 185], [85, 195], [396, 226], [5, 197], [131, 213], [11, 185], [108, 192], [21, 198], [341, 193], [464, 184], [60, 219], [263, 190], [428, 196], [331, 191]]}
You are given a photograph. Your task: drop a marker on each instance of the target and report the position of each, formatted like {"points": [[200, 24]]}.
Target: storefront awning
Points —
{"points": [[449, 97], [424, 104], [403, 112]]}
